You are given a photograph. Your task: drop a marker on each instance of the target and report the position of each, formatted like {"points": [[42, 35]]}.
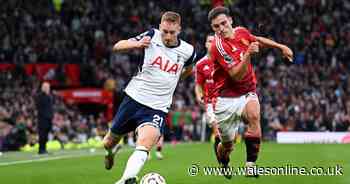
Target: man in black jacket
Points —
{"points": [[44, 106]]}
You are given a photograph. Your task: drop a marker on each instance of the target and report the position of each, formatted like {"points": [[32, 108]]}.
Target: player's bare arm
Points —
{"points": [[267, 43], [124, 45], [237, 72], [199, 93]]}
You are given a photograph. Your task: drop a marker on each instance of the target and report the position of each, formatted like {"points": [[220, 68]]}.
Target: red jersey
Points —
{"points": [[226, 53], [204, 78]]}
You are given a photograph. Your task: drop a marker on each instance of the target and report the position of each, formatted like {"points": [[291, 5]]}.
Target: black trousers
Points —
{"points": [[44, 127]]}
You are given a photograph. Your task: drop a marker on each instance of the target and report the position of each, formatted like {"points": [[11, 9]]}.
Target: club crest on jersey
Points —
{"points": [[228, 59], [166, 65]]}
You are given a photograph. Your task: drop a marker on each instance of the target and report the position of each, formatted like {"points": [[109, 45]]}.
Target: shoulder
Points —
{"points": [[186, 48], [240, 29], [202, 61], [242, 32]]}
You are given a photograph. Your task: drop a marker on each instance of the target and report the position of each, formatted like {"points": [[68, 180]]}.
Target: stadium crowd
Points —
{"points": [[310, 95]]}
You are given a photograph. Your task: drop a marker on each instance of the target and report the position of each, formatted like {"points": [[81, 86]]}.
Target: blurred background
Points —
{"points": [[68, 43]]}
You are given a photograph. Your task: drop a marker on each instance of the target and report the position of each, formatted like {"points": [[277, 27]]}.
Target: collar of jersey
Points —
{"points": [[178, 44]]}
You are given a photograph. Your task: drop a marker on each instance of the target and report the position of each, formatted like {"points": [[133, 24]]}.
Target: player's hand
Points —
{"points": [[200, 100], [253, 48], [287, 53], [144, 42]]}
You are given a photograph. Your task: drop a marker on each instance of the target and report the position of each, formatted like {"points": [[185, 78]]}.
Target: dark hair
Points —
{"points": [[171, 16], [217, 11]]}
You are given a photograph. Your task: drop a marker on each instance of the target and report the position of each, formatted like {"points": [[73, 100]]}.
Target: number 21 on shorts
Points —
{"points": [[158, 120]]}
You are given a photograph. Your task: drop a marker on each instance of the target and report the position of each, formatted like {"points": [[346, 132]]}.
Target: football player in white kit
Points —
{"points": [[149, 94]]}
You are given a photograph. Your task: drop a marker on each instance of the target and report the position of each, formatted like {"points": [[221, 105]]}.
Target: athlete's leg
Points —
{"points": [[224, 146], [228, 113], [121, 125], [147, 136], [251, 116], [224, 150], [110, 143]]}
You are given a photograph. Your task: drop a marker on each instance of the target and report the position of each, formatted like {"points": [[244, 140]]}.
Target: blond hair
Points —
{"points": [[172, 17]]}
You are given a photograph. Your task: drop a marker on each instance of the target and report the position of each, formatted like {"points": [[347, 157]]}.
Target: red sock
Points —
{"points": [[252, 148]]}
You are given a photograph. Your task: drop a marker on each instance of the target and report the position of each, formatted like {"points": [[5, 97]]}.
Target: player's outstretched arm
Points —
{"points": [[124, 45], [286, 51]]}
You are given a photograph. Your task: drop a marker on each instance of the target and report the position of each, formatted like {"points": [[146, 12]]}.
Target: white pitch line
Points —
{"points": [[72, 156], [47, 159]]}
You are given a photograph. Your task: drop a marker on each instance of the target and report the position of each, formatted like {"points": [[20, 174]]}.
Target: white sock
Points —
{"points": [[135, 162]]}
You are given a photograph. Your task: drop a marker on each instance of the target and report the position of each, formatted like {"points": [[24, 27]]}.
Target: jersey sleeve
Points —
{"points": [[192, 60], [199, 76], [149, 33]]}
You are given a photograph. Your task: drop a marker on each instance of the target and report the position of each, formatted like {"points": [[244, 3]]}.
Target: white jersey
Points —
{"points": [[154, 84]]}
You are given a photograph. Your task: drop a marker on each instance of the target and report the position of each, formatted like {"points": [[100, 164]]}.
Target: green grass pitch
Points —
{"points": [[84, 167]]}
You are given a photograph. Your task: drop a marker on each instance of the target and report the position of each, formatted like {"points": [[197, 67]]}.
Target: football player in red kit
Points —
{"points": [[235, 84], [205, 86]]}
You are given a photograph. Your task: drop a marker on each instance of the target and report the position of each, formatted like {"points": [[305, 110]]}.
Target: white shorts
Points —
{"points": [[228, 112]]}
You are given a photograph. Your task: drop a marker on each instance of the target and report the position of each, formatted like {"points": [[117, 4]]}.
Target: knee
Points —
{"points": [[147, 136], [145, 142]]}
